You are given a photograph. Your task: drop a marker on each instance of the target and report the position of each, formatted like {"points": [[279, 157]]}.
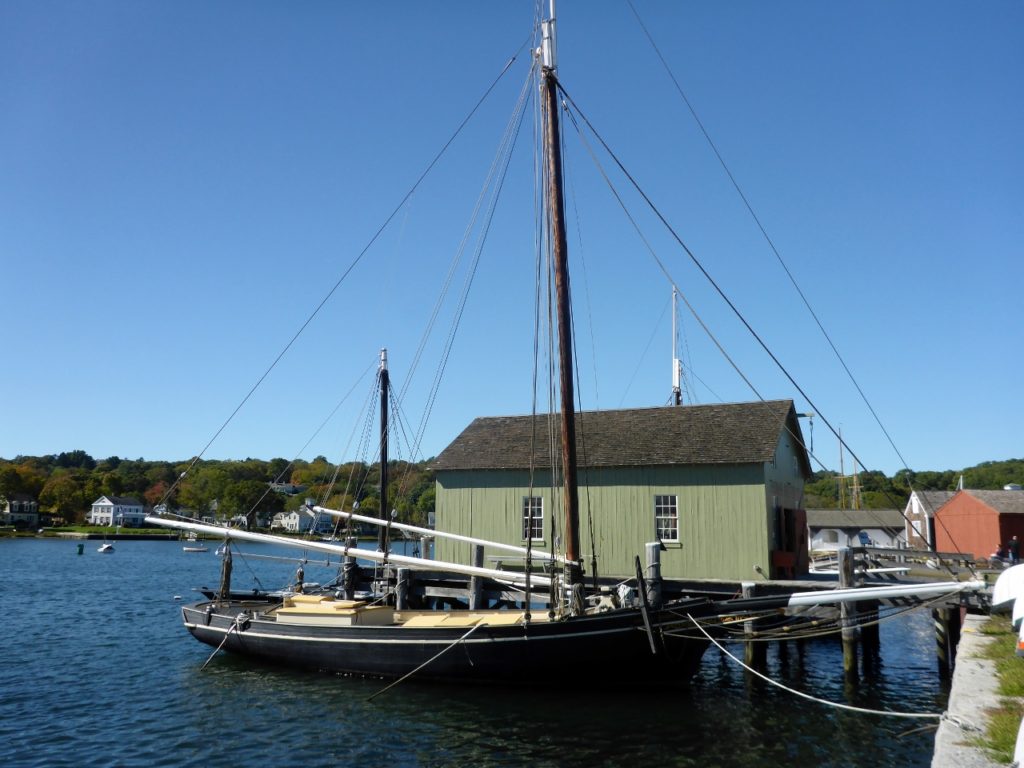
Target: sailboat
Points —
{"points": [[325, 631], [194, 545], [616, 637], [107, 547]]}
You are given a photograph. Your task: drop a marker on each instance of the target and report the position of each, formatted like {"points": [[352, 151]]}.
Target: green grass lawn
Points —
{"points": [[1000, 736]]}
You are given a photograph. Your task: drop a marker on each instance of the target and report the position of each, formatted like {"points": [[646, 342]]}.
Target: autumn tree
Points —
{"points": [[155, 493], [62, 495], [10, 482], [201, 487], [250, 498]]}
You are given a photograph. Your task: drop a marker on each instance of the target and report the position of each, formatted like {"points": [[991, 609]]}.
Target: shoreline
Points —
{"points": [[973, 693]]}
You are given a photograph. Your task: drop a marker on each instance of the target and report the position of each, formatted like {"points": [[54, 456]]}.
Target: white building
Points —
{"points": [[20, 510], [117, 510], [301, 521], [832, 529], [919, 517]]}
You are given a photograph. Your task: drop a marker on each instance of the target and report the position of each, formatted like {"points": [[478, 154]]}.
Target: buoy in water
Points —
{"points": [[81, 548]]}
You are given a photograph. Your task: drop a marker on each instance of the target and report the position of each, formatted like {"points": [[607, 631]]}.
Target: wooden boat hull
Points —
{"points": [[609, 649]]}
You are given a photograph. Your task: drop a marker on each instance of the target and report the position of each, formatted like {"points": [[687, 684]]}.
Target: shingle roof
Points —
{"points": [[1005, 502], [124, 501], [932, 500], [855, 518], [734, 433]]}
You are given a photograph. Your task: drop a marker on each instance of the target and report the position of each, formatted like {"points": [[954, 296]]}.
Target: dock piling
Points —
{"points": [[653, 551], [402, 578], [947, 621], [848, 622], [755, 653], [348, 572], [476, 584]]}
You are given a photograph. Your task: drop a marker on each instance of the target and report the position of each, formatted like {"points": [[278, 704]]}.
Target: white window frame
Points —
{"points": [[666, 517], [532, 517]]}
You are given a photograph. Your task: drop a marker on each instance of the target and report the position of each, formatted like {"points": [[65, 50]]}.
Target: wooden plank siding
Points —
{"points": [[736, 469], [724, 525]]}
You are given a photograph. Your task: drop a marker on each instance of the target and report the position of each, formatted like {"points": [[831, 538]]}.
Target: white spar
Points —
{"points": [[825, 596], [417, 563], [537, 553]]}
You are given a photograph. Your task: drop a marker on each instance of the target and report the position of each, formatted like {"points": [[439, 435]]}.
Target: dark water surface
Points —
{"points": [[98, 671]]}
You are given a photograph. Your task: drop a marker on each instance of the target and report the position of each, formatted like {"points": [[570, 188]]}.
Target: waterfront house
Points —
{"points": [[831, 529], [301, 521], [977, 522], [20, 510], [117, 510], [919, 517], [288, 489], [720, 486]]}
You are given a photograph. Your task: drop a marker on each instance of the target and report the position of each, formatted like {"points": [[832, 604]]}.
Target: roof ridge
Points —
{"points": [[732, 433]]}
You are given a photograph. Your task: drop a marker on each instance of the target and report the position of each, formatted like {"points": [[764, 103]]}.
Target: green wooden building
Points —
{"points": [[720, 485]]}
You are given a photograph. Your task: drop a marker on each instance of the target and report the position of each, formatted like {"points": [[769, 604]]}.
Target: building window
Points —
{"points": [[666, 518], [533, 518]]}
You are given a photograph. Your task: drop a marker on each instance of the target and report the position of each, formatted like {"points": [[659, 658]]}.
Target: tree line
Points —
{"points": [[67, 484], [875, 490]]}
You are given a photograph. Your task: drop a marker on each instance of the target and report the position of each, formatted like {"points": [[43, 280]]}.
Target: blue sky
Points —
{"points": [[182, 183]]}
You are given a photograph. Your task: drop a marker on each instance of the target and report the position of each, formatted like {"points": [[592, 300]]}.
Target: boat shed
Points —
{"points": [[833, 529], [978, 522], [721, 486]]}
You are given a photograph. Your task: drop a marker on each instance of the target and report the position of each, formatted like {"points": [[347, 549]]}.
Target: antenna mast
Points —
{"points": [[677, 365]]}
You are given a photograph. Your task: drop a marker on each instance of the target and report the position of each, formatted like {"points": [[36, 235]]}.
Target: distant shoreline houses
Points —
{"points": [[301, 521], [111, 511], [719, 486], [21, 511]]}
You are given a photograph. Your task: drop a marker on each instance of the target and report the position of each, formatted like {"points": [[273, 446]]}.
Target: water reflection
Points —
{"points": [[119, 682]]}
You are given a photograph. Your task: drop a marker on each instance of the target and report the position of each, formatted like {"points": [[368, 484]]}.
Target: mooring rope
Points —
{"points": [[437, 655], [847, 707], [234, 625]]}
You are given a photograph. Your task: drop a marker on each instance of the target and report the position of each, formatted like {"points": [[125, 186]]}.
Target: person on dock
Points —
{"points": [[1014, 548], [1000, 558]]}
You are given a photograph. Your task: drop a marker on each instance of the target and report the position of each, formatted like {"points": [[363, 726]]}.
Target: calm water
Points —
{"points": [[97, 670]]}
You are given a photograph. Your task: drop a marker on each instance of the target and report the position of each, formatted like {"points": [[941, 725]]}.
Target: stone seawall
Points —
{"points": [[972, 695]]}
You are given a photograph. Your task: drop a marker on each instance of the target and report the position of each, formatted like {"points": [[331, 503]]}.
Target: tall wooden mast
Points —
{"points": [[383, 534], [556, 219]]}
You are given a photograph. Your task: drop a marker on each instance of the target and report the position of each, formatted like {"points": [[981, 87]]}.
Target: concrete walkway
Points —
{"points": [[973, 693]]}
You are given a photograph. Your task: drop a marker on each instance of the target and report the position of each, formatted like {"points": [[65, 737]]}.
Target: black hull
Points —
{"points": [[610, 649]]}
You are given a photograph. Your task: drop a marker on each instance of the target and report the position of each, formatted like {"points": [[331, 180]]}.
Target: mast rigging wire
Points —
{"points": [[496, 182], [764, 232], [380, 230], [785, 268], [718, 289]]}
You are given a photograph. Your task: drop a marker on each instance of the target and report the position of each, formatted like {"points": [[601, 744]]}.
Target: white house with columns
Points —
{"points": [[117, 510]]}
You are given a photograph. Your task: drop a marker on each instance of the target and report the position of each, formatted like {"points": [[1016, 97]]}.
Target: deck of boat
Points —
{"points": [[326, 610]]}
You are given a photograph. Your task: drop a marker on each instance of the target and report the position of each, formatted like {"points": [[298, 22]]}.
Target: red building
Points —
{"points": [[977, 522]]}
